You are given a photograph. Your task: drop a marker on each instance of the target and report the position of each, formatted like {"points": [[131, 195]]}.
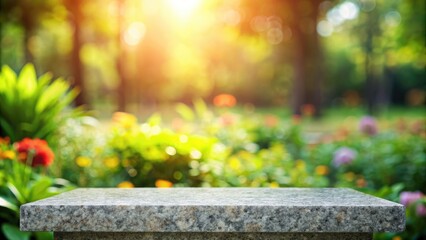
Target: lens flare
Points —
{"points": [[183, 8]]}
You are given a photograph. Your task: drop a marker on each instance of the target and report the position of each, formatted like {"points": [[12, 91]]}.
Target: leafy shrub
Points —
{"points": [[148, 152], [22, 182], [269, 167], [80, 151], [381, 160], [31, 106]]}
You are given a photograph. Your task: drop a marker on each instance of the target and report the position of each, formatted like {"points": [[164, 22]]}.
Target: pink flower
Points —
{"points": [[407, 198], [343, 156], [421, 210], [368, 125]]}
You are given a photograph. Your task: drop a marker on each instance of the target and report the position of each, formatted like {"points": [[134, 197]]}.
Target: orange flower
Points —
{"points": [[224, 100], [271, 121], [321, 170], [4, 141], [41, 154], [308, 110], [125, 184], [8, 154], [125, 120], [360, 182], [160, 183]]}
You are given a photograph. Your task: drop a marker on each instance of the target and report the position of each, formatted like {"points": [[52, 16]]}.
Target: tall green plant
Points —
{"points": [[31, 106]]}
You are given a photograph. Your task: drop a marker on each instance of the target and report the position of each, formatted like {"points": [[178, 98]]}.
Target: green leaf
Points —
{"points": [[201, 107], [51, 95], [154, 120], [44, 235], [27, 81], [39, 189], [13, 233], [8, 78], [7, 129], [185, 112], [17, 193], [7, 204]]}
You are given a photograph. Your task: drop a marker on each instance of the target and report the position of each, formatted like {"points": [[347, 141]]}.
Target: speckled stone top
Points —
{"points": [[213, 210]]}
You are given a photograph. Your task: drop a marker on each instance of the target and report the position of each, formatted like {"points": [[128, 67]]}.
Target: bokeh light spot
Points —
{"points": [[325, 28], [134, 33], [368, 5], [275, 36], [349, 10], [393, 18]]}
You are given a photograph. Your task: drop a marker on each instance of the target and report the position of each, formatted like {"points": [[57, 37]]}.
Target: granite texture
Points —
{"points": [[213, 210], [211, 236]]}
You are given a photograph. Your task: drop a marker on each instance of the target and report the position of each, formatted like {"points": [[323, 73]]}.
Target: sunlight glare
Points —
{"points": [[183, 8], [349, 10], [134, 33]]}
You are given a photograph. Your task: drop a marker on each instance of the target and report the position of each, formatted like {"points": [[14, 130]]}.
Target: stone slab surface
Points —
{"points": [[211, 236], [213, 210]]}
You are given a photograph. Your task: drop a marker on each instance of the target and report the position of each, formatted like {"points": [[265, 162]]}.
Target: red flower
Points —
{"points": [[224, 100], [42, 154]]}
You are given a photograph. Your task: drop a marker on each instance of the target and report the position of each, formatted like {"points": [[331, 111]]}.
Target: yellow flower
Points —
{"points": [[125, 184], [8, 154], [160, 183], [397, 238], [321, 170], [300, 164], [234, 163], [83, 161], [349, 176], [111, 162], [274, 185], [125, 120]]}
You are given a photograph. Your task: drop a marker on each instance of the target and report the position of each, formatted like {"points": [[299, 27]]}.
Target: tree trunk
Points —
{"points": [[77, 69], [299, 71], [307, 80], [121, 91], [317, 73], [370, 79]]}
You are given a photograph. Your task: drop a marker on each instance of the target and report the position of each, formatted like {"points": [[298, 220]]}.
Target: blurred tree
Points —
{"points": [[385, 58], [307, 83], [26, 14], [301, 17], [76, 19], [121, 57]]}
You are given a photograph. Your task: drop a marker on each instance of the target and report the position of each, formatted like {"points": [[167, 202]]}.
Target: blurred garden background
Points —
{"points": [[212, 93]]}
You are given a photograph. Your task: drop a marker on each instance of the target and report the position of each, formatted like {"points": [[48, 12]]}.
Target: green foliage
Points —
{"points": [[31, 106], [268, 167], [220, 148], [149, 152], [397, 157], [80, 139], [21, 184], [12, 232]]}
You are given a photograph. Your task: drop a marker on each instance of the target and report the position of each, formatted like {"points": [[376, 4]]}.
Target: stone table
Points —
{"points": [[213, 213]]}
